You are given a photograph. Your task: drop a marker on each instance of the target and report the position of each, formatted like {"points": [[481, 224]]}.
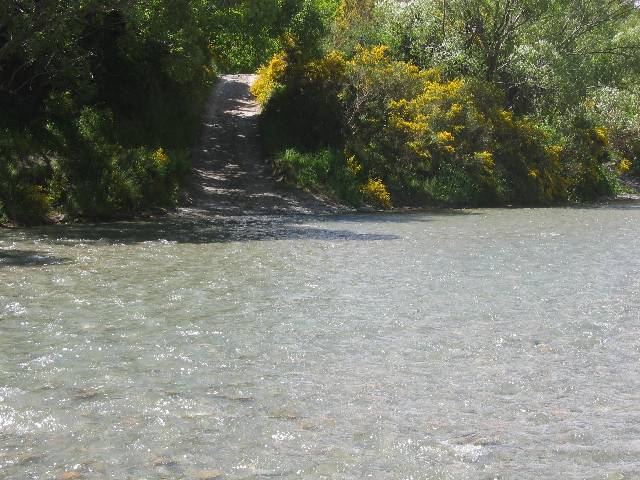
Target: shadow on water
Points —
{"points": [[618, 204], [196, 230], [404, 216], [226, 228], [28, 258]]}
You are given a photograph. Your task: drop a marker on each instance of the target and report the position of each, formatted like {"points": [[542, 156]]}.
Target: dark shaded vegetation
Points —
{"points": [[101, 101]]}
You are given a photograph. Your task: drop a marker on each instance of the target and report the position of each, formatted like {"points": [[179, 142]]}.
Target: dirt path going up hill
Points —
{"points": [[231, 176]]}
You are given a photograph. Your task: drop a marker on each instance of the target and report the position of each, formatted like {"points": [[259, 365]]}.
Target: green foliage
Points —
{"points": [[476, 102], [23, 196], [588, 146], [618, 110], [306, 170], [324, 170], [90, 91]]}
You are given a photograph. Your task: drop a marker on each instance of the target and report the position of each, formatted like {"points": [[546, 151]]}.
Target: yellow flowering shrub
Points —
{"points": [[432, 127], [458, 133], [329, 68], [601, 135], [374, 82], [269, 77], [506, 115], [375, 192], [353, 167], [624, 166], [486, 159], [455, 110], [160, 158], [444, 137], [533, 167]]}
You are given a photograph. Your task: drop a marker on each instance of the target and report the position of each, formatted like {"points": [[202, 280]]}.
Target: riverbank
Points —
{"points": [[232, 176]]}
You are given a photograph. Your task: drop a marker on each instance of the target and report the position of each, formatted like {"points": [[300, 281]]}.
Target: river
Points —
{"points": [[474, 344]]}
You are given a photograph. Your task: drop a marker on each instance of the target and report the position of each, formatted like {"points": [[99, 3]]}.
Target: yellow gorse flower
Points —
{"points": [[486, 158], [445, 137], [160, 158], [375, 191], [455, 110], [506, 115], [602, 135], [353, 167], [625, 165], [268, 77]]}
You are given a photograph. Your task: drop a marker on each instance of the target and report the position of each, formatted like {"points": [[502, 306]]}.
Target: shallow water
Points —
{"points": [[466, 345]]}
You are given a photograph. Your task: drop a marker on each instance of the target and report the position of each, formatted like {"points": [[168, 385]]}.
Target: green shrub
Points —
{"points": [[617, 110], [24, 170], [323, 170], [307, 170], [425, 139], [588, 148]]}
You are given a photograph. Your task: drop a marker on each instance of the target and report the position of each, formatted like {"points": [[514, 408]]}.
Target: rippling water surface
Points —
{"points": [[467, 345]]}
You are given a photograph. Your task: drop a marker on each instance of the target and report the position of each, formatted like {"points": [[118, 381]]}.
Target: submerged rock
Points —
{"points": [[85, 394], [476, 439], [209, 475], [71, 475], [27, 457], [163, 461], [308, 425], [284, 413]]}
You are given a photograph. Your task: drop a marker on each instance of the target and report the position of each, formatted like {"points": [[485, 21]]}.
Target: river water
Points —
{"points": [[480, 344]]}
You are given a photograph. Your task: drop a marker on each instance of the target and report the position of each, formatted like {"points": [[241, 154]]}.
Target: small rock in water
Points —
{"points": [[71, 475], [543, 348], [307, 425], [129, 421], [239, 397], [163, 461], [209, 475], [477, 440], [284, 414], [85, 394], [27, 457]]}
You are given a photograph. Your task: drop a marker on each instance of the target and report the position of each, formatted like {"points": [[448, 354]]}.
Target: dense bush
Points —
{"points": [[469, 102], [323, 170], [619, 111], [303, 108], [424, 139], [23, 177], [101, 101], [88, 93]]}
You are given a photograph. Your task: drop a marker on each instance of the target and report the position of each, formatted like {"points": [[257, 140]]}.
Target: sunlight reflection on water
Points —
{"points": [[455, 345]]}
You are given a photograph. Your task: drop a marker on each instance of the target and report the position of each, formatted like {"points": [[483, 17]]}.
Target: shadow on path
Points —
{"points": [[231, 176]]}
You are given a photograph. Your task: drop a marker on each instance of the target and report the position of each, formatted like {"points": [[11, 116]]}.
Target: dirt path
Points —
{"points": [[231, 176]]}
